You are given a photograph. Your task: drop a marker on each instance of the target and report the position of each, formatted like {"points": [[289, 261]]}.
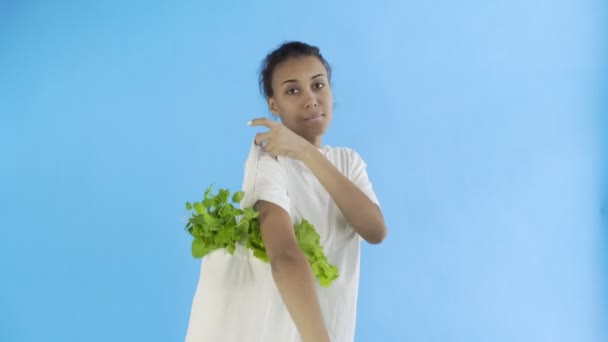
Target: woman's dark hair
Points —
{"points": [[281, 54]]}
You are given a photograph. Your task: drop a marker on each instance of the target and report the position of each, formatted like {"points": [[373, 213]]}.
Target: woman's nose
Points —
{"points": [[311, 101]]}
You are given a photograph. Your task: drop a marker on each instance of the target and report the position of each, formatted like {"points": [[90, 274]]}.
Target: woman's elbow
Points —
{"points": [[377, 235], [286, 260]]}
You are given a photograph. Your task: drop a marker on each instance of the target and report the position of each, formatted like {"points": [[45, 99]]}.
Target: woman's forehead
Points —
{"points": [[299, 69]]}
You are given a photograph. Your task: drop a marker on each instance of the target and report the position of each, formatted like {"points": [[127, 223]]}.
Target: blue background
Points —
{"points": [[480, 123]]}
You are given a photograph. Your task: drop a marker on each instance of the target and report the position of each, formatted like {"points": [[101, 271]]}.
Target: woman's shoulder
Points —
{"points": [[343, 156], [341, 150]]}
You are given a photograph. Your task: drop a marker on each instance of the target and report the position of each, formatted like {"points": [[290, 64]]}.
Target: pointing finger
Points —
{"points": [[262, 122]]}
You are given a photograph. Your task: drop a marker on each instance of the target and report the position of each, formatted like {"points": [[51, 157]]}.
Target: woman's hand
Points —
{"points": [[280, 140]]}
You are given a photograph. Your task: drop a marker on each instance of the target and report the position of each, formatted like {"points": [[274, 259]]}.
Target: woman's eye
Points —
{"points": [[292, 91], [319, 85]]}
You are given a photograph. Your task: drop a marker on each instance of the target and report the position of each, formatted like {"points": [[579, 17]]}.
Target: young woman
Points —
{"points": [[290, 176]]}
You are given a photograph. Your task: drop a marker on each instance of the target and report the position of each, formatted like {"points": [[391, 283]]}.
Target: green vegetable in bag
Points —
{"points": [[216, 223]]}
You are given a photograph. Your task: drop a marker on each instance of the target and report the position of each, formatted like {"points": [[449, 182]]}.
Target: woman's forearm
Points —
{"points": [[363, 215], [295, 281]]}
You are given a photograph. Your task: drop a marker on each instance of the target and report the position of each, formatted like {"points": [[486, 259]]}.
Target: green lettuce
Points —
{"points": [[216, 223]]}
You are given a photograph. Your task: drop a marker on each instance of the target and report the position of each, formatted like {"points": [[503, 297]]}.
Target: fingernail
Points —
{"points": [[249, 123]]}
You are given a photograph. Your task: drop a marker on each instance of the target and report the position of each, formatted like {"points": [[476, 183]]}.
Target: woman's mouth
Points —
{"points": [[315, 117]]}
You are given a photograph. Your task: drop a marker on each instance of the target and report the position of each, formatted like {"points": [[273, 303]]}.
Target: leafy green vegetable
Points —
{"points": [[309, 242], [216, 224]]}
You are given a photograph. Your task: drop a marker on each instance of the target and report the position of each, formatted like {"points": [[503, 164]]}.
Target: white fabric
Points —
{"points": [[236, 299]]}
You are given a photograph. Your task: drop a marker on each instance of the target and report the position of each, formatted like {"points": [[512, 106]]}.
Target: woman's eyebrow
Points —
{"points": [[296, 81]]}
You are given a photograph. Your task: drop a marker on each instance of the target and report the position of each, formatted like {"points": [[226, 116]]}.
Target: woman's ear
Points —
{"points": [[274, 108]]}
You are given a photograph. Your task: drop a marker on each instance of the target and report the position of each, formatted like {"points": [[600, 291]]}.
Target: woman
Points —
{"points": [[289, 176]]}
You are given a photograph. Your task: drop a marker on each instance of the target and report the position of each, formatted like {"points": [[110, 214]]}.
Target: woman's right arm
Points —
{"points": [[291, 272]]}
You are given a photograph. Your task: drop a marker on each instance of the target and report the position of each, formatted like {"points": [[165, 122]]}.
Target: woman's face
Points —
{"points": [[302, 97]]}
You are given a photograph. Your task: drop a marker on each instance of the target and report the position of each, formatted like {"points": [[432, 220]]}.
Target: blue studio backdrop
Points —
{"points": [[480, 123]]}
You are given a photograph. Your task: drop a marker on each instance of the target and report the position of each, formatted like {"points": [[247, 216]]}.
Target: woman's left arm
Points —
{"points": [[363, 215]]}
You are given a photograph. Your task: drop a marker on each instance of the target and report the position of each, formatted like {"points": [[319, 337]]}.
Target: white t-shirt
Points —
{"points": [[237, 300]]}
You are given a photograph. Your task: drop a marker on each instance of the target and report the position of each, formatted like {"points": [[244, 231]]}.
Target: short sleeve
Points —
{"points": [[265, 179], [358, 175]]}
